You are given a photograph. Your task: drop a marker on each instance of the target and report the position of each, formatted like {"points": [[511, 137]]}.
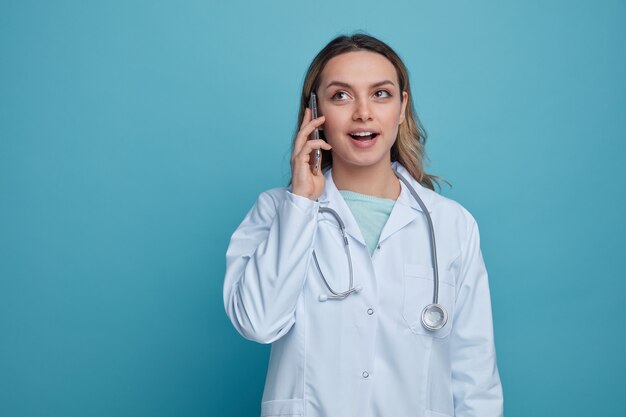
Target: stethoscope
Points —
{"points": [[434, 316]]}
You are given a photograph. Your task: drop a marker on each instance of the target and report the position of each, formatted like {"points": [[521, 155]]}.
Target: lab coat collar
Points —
{"points": [[331, 198], [405, 196], [404, 211]]}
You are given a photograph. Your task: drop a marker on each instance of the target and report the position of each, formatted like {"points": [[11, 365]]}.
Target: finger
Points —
{"points": [[312, 145], [308, 148], [303, 134], [307, 117]]}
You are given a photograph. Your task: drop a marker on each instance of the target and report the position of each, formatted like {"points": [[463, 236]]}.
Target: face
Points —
{"points": [[359, 94]]}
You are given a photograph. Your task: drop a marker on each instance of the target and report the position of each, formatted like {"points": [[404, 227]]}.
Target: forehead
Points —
{"points": [[359, 67]]}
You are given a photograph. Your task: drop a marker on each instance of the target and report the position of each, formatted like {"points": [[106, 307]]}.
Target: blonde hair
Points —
{"points": [[408, 148]]}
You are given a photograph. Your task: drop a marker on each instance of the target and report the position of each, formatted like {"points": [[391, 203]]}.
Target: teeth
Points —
{"points": [[362, 134]]}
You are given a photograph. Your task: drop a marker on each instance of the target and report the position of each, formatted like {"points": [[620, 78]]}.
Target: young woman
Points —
{"points": [[370, 286]]}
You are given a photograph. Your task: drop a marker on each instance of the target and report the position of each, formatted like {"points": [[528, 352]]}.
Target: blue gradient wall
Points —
{"points": [[134, 137]]}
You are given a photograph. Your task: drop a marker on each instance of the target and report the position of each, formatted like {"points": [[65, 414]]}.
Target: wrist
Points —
{"points": [[304, 195]]}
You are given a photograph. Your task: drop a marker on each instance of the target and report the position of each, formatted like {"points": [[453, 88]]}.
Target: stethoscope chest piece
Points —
{"points": [[434, 317]]}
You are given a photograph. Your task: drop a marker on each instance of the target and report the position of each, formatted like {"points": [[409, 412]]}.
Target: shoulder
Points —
{"points": [[269, 202], [438, 205], [451, 218], [454, 211], [448, 207], [273, 196], [442, 209], [455, 226]]}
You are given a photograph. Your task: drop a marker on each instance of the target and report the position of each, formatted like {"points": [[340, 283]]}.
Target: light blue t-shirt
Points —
{"points": [[371, 214]]}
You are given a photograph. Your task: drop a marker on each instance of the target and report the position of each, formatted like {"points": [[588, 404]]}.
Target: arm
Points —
{"points": [[475, 378], [266, 264]]}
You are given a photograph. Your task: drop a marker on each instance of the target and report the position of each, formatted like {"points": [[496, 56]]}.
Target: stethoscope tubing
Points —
{"points": [[346, 248], [432, 310], [433, 252]]}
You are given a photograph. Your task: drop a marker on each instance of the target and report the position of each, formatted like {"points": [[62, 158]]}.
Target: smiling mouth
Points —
{"points": [[363, 138]]}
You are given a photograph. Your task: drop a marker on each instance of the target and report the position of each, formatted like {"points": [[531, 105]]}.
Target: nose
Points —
{"points": [[362, 111]]}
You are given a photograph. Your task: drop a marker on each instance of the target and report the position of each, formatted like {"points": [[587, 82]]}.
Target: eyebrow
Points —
{"points": [[346, 85]]}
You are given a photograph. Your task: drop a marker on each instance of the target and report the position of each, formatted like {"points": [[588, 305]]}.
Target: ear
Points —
{"points": [[405, 101]]}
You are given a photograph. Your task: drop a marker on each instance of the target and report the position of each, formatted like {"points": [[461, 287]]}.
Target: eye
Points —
{"points": [[385, 94], [336, 96]]}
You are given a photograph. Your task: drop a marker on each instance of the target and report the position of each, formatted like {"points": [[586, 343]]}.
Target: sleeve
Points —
{"points": [[266, 264], [475, 379]]}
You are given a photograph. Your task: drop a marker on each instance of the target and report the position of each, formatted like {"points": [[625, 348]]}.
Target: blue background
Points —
{"points": [[134, 137]]}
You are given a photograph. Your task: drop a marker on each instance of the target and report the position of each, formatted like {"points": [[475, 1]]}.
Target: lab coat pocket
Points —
{"points": [[418, 293], [282, 408]]}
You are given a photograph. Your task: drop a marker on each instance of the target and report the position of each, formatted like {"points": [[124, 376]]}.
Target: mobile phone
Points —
{"points": [[316, 155]]}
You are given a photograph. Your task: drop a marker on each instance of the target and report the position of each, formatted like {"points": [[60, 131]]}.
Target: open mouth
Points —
{"points": [[363, 136]]}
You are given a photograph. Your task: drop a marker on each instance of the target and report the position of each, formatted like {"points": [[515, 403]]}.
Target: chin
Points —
{"points": [[362, 162]]}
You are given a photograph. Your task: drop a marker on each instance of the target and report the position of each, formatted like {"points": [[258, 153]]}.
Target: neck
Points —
{"points": [[378, 181]]}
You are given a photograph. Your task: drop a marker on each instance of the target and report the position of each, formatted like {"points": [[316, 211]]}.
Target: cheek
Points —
{"points": [[332, 125], [332, 134], [393, 115]]}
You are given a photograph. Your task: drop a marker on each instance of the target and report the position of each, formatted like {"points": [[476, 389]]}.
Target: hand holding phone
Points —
{"points": [[306, 178]]}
